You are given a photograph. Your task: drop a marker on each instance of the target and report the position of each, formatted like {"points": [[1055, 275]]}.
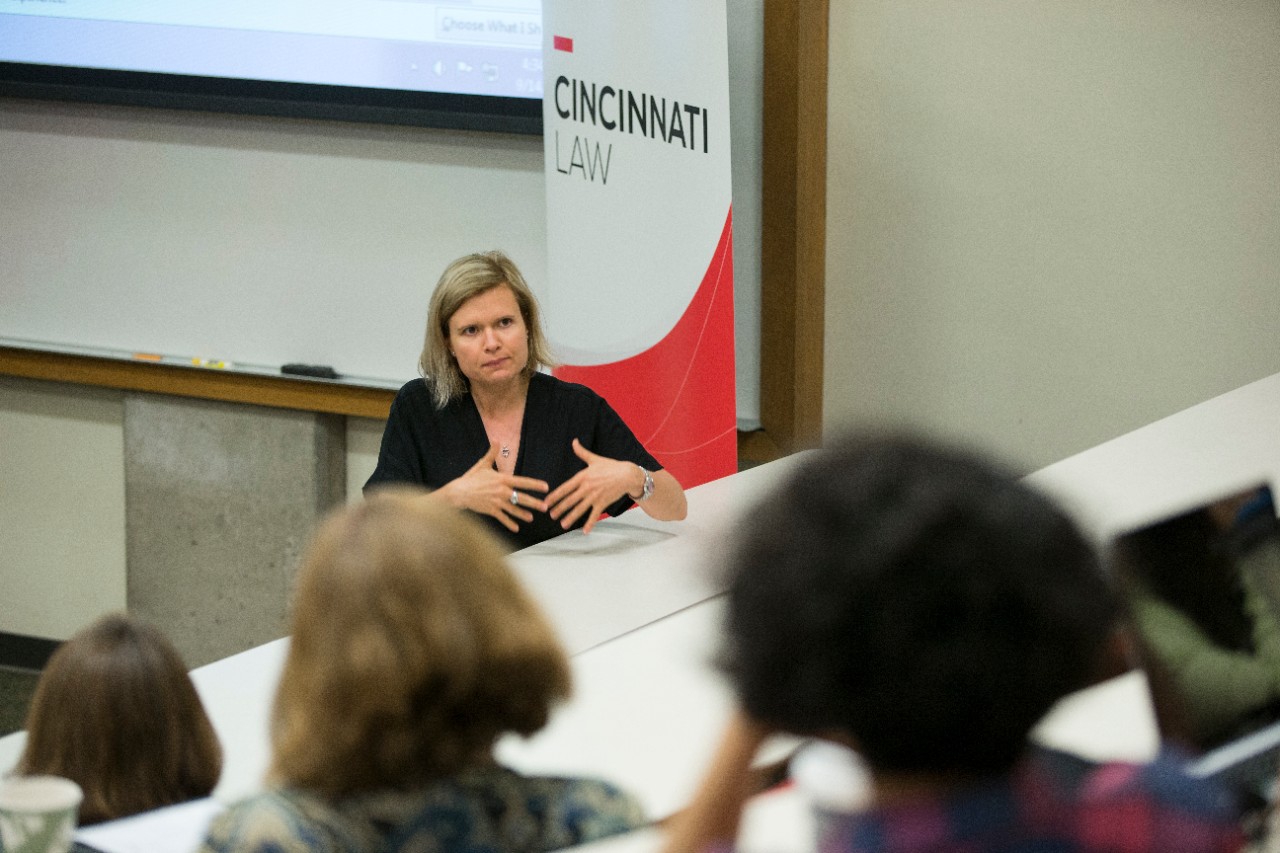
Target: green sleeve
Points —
{"points": [[1219, 685]]}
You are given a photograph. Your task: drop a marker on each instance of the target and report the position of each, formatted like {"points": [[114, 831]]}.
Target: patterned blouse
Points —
{"points": [[481, 810]]}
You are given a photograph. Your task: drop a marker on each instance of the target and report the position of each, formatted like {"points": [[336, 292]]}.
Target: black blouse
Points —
{"points": [[432, 447]]}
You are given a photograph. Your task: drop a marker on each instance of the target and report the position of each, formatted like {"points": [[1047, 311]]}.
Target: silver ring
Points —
{"points": [[515, 498]]}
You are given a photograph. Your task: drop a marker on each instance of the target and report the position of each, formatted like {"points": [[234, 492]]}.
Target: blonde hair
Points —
{"points": [[116, 712], [413, 648], [463, 279]]}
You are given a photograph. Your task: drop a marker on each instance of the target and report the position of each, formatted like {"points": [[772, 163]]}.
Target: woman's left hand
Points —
{"points": [[592, 489]]}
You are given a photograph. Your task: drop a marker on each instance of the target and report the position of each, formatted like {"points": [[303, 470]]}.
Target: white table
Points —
{"points": [[636, 605], [631, 571], [647, 713], [628, 573]]}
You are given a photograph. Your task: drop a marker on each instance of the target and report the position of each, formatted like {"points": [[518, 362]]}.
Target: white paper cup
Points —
{"points": [[38, 813], [836, 782]]}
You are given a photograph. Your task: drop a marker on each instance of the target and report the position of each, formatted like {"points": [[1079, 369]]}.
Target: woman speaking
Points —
{"points": [[490, 433]]}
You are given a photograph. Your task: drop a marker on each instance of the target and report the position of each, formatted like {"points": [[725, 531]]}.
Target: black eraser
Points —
{"points": [[319, 371]]}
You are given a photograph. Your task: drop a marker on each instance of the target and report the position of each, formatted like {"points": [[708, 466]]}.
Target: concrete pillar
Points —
{"points": [[220, 498]]}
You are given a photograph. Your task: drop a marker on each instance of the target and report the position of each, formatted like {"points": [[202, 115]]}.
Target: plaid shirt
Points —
{"points": [[1052, 803]]}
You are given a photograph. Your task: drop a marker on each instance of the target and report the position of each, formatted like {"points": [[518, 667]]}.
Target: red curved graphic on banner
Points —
{"points": [[678, 396]]}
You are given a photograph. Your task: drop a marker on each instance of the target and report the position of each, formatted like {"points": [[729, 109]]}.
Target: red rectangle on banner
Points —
{"points": [[562, 43]]}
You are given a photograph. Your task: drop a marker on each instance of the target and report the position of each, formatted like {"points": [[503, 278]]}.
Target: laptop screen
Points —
{"points": [[1203, 588]]}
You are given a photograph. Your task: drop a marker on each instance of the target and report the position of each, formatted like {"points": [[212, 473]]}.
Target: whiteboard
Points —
{"points": [[253, 241], [269, 241]]}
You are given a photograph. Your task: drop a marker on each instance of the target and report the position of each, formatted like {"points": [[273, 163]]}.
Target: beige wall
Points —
{"points": [[1049, 223], [363, 438], [62, 543]]}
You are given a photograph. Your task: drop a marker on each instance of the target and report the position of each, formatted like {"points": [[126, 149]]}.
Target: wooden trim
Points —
{"points": [[230, 386], [793, 217], [756, 448]]}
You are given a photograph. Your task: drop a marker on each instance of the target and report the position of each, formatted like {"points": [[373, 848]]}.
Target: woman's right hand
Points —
{"points": [[486, 490]]}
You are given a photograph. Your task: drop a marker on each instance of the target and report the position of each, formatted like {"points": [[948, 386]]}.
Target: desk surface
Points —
{"points": [[631, 570], [628, 573], [647, 713]]}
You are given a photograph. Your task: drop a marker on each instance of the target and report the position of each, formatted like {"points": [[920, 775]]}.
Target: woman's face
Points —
{"points": [[488, 338]]}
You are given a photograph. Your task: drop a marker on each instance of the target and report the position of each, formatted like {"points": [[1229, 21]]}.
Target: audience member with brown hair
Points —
{"points": [[116, 712], [413, 649]]}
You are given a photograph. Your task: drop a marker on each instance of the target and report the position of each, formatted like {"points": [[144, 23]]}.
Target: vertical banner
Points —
{"points": [[639, 298]]}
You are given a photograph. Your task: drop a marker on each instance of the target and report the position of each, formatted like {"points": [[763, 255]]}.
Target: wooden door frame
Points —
{"points": [[793, 227]]}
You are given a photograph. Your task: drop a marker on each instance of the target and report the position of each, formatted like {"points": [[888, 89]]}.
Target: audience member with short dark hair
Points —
{"points": [[922, 607], [413, 649], [115, 712]]}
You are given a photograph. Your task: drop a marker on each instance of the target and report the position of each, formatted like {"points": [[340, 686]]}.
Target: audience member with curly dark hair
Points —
{"points": [[922, 607]]}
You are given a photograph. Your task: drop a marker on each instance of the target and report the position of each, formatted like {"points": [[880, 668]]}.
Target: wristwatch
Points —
{"points": [[647, 491]]}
